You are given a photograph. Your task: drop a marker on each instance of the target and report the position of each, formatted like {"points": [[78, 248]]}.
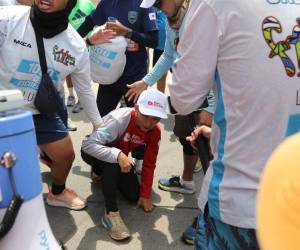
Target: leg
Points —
{"points": [[190, 159], [71, 98], [53, 139], [112, 219], [108, 96], [62, 155], [129, 186], [214, 234]]}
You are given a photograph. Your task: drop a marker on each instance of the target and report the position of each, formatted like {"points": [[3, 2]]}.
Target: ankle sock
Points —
{"points": [[57, 189], [187, 184]]}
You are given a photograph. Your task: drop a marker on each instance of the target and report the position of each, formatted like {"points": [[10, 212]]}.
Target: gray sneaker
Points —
{"points": [[115, 225], [77, 108]]}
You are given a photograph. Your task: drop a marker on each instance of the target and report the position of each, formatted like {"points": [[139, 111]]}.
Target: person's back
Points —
{"points": [[252, 47]]}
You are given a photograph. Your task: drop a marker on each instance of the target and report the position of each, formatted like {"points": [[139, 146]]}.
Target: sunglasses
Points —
{"points": [[157, 4]]}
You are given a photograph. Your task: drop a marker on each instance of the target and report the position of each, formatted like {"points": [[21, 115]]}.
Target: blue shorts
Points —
{"points": [[50, 128], [213, 234]]}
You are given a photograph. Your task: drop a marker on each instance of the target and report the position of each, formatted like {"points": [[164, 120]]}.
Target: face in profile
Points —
{"points": [[49, 6]]}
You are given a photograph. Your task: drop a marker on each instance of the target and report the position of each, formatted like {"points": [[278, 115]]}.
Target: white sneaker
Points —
{"points": [[68, 198]]}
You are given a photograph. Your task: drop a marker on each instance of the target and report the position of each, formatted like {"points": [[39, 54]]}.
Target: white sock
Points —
{"points": [[187, 184], [71, 91]]}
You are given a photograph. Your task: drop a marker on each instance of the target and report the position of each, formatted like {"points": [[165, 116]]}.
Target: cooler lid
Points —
{"points": [[14, 122]]}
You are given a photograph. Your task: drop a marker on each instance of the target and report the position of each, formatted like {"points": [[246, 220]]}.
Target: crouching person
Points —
{"points": [[126, 130]]}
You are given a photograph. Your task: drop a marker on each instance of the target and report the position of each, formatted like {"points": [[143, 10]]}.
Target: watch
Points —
{"points": [[129, 33]]}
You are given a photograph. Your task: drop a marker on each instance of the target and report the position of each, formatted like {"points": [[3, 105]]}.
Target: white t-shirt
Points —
{"points": [[66, 53], [243, 44]]}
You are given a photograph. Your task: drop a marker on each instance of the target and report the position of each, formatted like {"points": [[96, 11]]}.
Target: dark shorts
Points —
{"points": [[50, 128], [213, 234]]}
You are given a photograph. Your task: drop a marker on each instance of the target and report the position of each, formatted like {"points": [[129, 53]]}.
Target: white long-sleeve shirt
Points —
{"points": [[245, 46], [66, 54]]}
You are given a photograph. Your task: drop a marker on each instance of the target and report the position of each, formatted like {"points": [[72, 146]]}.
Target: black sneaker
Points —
{"points": [[173, 185]]}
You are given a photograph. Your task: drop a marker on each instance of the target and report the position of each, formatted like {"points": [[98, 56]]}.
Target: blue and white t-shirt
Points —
{"points": [[252, 50], [66, 54]]}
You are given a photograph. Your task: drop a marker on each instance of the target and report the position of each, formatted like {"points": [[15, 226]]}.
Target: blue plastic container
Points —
{"points": [[17, 136]]}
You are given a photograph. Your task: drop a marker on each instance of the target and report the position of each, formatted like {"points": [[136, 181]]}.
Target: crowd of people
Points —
{"points": [[233, 66]]}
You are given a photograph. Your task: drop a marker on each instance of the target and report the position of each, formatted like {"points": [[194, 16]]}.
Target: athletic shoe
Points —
{"points": [[189, 234], [77, 108], [68, 198], [173, 185], [115, 225], [71, 101], [198, 166], [71, 126], [138, 164]]}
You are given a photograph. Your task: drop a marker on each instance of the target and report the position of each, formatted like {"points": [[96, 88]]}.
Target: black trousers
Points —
{"points": [[108, 96], [113, 180]]}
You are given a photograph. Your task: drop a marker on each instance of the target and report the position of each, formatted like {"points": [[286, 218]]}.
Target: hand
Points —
{"points": [[135, 89], [101, 36], [205, 118], [124, 162], [145, 203], [204, 130], [117, 27]]}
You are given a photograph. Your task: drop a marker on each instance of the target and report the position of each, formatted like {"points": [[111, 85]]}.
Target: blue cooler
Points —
{"points": [[17, 136]]}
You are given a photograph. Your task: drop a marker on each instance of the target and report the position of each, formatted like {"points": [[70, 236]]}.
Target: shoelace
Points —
{"points": [[118, 220]]}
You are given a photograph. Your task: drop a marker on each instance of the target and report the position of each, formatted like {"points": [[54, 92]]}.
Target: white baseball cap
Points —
{"points": [[154, 103], [147, 3]]}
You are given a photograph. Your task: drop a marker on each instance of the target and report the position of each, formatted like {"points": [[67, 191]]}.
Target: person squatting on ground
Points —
{"points": [[126, 130], [139, 27], [175, 12], [20, 68], [256, 104]]}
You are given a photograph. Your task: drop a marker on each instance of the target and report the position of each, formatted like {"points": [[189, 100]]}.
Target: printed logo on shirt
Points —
{"points": [[28, 45], [133, 138], [27, 78], [152, 16], [132, 16], [62, 56], [278, 49]]}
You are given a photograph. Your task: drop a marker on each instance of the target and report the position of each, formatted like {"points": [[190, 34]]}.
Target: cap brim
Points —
{"points": [[152, 112], [147, 3]]}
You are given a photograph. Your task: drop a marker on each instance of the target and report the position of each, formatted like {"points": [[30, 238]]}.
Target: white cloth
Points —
{"points": [[257, 102], [66, 53]]}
